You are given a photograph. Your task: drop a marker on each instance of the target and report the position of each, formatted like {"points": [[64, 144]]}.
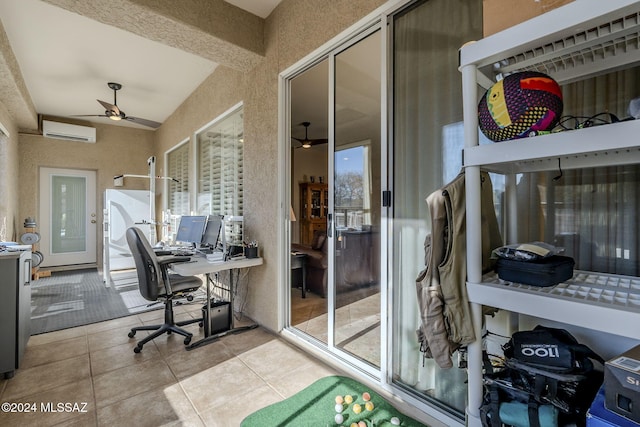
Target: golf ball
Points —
{"points": [[348, 399], [339, 407], [366, 396], [339, 418], [357, 408], [339, 400], [395, 421], [368, 406]]}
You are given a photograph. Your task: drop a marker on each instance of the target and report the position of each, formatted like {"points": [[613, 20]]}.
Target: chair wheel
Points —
{"points": [[189, 297], [187, 340], [132, 334], [137, 349], [200, 324]]}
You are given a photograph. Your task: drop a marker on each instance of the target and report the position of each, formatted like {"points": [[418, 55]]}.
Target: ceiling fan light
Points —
{"points": [[306, 144], [115, 117]]}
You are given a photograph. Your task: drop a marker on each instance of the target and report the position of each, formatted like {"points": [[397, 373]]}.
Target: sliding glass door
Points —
{"points": [[378, 115], [309, 172], [427, 153], [335, 200], [355, 194]]}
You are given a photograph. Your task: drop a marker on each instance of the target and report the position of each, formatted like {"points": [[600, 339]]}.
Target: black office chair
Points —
{"points": [[156, 283]]}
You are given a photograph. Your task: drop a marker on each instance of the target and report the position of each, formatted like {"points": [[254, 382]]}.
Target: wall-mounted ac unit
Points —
{"points": [[68, 131]]}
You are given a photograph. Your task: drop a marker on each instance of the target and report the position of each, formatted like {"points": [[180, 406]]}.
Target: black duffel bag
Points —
{"points": [[548, 379]]}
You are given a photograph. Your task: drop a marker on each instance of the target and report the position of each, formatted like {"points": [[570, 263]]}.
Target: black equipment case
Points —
{"points": [[220, 317], [546, 272]]}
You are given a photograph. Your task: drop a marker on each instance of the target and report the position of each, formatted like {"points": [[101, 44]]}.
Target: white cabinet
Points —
{"points": [[580, 40]]}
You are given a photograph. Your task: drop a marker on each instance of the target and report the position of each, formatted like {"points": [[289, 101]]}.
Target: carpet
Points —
{"points": [[316, 406], [74, 298]]}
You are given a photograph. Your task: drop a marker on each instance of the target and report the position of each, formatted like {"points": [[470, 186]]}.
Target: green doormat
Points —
{"points": [[315, 406]]}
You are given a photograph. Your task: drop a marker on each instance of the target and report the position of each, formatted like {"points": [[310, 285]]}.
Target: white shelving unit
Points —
{"points": [[599, 301], [582, 39]]}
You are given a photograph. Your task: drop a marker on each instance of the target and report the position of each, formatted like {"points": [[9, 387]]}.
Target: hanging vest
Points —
{"points": [[445, 312]]}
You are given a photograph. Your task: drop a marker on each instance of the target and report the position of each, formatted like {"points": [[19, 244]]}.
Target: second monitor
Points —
{"points": [[211, 236]]}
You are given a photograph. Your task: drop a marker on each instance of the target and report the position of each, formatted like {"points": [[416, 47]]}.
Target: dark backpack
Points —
{"points": [[548, 377]]}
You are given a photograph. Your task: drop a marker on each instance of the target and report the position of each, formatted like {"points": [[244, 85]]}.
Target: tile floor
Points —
{"points": [[357, 323], [214, 385]]}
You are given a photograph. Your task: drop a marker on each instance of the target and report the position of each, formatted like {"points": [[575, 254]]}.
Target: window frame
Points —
{"points": [[231, 191]]}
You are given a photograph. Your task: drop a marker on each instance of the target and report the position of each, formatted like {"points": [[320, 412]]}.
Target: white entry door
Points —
{"points": [[68, 220]]}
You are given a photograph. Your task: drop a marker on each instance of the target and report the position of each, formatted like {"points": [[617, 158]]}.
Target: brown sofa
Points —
{"points": [[357, 261], [317, 262]]}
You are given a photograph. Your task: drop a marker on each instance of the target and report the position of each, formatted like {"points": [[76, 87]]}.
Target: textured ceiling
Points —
{"points": [[65, 52]]}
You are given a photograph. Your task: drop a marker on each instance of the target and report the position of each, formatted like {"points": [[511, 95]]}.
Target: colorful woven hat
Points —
{"points": [[520, 104]]}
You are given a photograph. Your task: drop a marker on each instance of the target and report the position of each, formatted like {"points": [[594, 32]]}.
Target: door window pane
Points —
{"points": [[309, 278], [427, 112], [68, 214], [356, 200]]}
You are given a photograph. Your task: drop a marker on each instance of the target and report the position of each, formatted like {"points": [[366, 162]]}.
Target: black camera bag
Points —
{"points": [[544, 366], [550, 349]]}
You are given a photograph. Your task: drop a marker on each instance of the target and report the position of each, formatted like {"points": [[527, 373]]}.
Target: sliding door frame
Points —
{"points": [[373, 23], [379, 20], [376, 21], [380, 372]]}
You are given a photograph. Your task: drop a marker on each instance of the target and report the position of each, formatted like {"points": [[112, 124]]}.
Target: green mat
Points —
{"points": [[316, 406]]}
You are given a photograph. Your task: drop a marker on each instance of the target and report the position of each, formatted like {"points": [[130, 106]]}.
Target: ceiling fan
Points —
{"points": [[114, 113], [306, 142]]}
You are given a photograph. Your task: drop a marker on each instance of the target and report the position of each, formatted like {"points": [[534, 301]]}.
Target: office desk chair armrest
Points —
{"points": [[172, 259], [164, 263]]}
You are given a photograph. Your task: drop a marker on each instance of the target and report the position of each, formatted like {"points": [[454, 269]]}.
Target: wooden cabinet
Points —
{"points": [[314, 203]]}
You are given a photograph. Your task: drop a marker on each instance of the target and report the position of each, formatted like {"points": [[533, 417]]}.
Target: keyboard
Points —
{"points": [[183, 252]]}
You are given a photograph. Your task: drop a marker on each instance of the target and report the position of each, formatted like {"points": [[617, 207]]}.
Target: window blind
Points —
{"points": [[178, 168], [220, 170]]}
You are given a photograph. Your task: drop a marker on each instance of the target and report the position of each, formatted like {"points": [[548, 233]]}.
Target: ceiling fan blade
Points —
{"points": [[110, 107], [144, 122], [89, 115], [319, 141], [297, 139]]}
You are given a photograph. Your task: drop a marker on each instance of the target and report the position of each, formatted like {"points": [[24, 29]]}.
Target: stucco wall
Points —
{"points": [[9, 217], [293, 30], [118, 150]]}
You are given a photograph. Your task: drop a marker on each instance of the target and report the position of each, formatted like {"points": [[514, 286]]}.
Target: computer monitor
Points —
{"points": [[211, 236], [191, 229]]}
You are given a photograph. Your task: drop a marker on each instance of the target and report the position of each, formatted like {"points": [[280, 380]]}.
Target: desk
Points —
{"points": [[200, 265], [299, 260]]}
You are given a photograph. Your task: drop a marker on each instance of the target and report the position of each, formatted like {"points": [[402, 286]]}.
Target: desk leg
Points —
{"points": [[304, 277], [208, 337], [207, 327]]}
